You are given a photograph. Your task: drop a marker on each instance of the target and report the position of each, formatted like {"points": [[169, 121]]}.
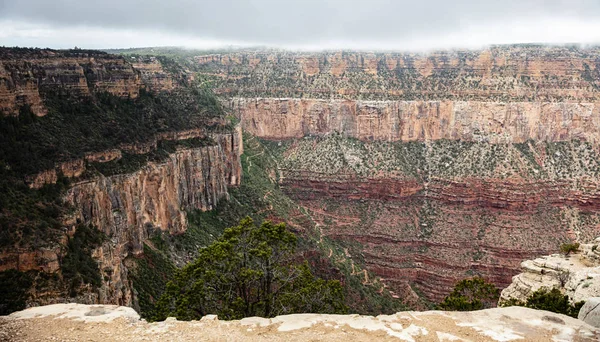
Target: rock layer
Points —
{"points": [[501, 73], [25, 75], [446, 165], [493, 122]]}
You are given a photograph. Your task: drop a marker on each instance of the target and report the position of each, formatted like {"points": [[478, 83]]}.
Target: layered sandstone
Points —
{"points": [[509, 73], [25, 75], [75, 168], [103, 322], [424, 215], [153, 74], [493, 122], [431, 167]]}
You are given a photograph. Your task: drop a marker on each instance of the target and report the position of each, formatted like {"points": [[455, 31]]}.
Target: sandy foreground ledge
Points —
{"points": [[77, 322]]}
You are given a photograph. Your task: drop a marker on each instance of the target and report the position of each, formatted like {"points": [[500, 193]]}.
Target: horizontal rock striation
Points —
{"points": [[153, 74], [424, 215], [431, 167], [27, 74], [493, 122], [501, 73]]}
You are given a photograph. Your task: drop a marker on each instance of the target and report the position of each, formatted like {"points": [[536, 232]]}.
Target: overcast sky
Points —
{"points": [[297, 24]]}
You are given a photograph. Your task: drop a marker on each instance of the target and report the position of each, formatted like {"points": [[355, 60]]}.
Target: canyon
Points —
{"points": [[414, 171], [430, 168], [128, 192]]}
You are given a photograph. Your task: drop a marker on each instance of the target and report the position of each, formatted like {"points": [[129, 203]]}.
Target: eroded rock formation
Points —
{"points": [[24, 75], [493, 122], [576, 275], [128, 207]]}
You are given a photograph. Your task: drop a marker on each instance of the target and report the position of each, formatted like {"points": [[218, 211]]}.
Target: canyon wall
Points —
{"points": [[23, 77], [424, 215], [129, 187], [25, 74], [430, 167], [127, 208], [493, 122], [501, 73]]}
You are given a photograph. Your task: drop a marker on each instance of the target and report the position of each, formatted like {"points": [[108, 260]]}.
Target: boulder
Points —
{"points": [[590, 312]]}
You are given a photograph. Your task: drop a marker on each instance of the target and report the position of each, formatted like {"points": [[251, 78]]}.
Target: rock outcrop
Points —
{"points": [[500, 73], [26, 74], [590, 312], [153, 74], [102, 323], [492, 122], [128, 207], [576, 275]]}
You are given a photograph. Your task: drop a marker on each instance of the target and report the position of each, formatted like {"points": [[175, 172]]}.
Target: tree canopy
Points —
{"points": [[471, 294], [249, 271]]}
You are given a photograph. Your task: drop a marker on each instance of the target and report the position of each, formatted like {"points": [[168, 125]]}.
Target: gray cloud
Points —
{"points": [[319, 23]]}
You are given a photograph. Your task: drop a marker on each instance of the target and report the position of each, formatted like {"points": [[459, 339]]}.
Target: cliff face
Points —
{"points": [[25, 76], [493, 122], [499, 73], [128, 207], [153, 74]]}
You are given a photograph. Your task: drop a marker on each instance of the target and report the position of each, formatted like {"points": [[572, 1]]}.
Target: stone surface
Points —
{"points": [[576, 275], [590, 312], [491, 122], [102, 323]]}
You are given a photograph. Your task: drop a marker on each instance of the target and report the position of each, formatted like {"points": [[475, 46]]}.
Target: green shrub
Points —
{"points": [[471, 294], [249, 271], [78, 267], [552, 300], [568, 248], [13, 290]]}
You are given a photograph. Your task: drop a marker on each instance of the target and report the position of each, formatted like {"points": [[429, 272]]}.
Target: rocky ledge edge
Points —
{"points": [[78, 322]]}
